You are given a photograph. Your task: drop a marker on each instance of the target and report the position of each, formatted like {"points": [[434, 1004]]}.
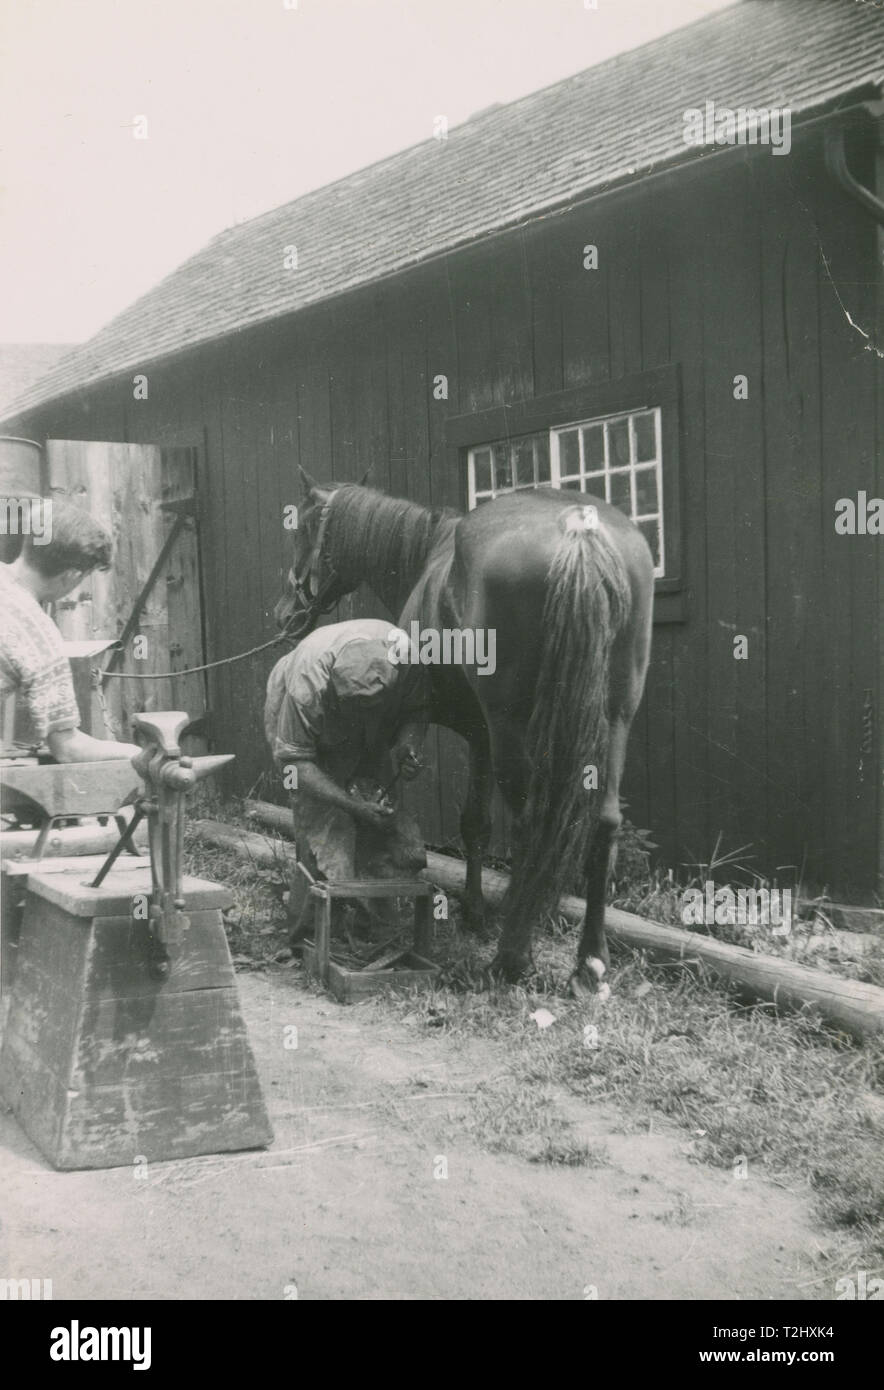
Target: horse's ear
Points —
{"points": [[363, 480], [307, 483]]}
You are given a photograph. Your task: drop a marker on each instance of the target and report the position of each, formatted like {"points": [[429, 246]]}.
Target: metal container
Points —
{"points": [[21, 475]]}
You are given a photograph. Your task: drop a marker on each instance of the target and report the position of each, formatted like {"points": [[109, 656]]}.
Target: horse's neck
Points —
{"points": [[392, 561]]}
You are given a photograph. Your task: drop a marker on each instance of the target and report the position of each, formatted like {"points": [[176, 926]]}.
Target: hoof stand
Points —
{"points": [[104, 1063]]}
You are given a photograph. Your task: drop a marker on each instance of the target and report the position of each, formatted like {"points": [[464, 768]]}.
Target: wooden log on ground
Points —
{"points": [[278, 818], [66, 840], [853, 1007]]}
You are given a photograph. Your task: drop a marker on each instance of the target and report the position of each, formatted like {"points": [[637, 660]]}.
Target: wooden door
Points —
{"points": [[141, 494]]}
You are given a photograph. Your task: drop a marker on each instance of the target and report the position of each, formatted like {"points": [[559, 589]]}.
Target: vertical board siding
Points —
{"points": [[653, 739], [620, 257], [794, 720], [846, 286], [720, 277], [682, 225]]}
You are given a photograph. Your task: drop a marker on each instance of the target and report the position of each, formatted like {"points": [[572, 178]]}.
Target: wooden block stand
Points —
{"points": [[408, 968], [101, 1062]]}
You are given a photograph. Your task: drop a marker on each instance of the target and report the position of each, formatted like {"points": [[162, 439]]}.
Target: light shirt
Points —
{"points": [[342, 664]]}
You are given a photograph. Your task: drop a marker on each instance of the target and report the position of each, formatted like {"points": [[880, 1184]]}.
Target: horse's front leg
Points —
{"points": [[514, 959], [475, 827]]}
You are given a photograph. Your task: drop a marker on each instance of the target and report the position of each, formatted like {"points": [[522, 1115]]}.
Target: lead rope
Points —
{"points": [[101, 675]]}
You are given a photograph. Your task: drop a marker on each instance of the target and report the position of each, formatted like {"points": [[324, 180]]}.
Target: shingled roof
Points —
{"points": [[609, 124]]}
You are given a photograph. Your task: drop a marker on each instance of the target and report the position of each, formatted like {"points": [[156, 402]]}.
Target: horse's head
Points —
{"points": [[312, 586]]}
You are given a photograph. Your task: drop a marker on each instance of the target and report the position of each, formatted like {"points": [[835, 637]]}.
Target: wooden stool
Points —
{"points": [[401, 967]]}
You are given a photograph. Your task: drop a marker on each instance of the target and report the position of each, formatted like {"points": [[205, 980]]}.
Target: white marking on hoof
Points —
{"points": [[587, 981]]}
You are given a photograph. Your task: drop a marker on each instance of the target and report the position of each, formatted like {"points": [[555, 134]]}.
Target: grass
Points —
{"points": [[782, 1096], [785, 1096], [813, 939]]}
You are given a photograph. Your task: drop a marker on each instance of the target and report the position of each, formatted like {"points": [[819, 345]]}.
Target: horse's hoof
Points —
{"points": [[587, 981], [509, 967]]}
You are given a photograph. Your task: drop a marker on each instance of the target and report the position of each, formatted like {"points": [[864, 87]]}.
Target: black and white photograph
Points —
{"points": [[441, 664]]}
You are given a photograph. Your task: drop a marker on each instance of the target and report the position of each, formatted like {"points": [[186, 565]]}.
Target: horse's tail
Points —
{"points": [[588, 602]]}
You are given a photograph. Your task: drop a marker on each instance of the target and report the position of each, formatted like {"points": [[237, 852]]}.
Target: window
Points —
{"points": [[617, 457]]}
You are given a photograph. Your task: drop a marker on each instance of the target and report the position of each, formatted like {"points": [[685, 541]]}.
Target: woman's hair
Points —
{"points": [[76, 541]]}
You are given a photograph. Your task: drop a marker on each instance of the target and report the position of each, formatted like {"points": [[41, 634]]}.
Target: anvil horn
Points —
{"points": [[204, 767]]}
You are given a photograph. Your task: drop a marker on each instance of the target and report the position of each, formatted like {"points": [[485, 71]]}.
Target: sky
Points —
{"points": [[248, 103]]}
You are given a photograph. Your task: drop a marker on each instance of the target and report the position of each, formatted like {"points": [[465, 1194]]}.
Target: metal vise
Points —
{"points": [[168, 775]]}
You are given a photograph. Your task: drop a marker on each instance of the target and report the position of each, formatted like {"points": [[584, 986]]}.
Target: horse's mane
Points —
{"points": [[371, 535]]}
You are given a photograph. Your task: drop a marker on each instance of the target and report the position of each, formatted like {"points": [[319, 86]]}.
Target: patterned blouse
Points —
{"points": [[34, 665]]}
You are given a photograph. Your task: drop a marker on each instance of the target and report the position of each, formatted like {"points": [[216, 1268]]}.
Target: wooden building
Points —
{"points": [[726, 332]]}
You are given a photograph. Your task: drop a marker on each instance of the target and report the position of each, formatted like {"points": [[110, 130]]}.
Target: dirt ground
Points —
{"points": [[347, 1203]]}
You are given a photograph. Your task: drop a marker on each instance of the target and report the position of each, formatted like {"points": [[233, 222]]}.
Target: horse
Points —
{"points": [[564, 582]]}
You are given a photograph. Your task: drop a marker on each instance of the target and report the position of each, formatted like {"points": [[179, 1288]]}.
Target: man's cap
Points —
{"points": [[363, 671]]}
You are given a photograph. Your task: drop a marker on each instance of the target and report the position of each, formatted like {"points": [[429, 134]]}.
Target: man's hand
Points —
{"points": [[372, 813]]}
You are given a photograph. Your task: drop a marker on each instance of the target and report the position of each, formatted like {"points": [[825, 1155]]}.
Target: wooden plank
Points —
{"points": [[350, 985], [584, 299], [113, 898], [120, 485], [847, 277], [735, 532], [652, 743], [623, 282], [138, 488], [684, 224], [183, 591], [242, 598], [472, 318], [370, 887], [796, 640], [547, 246], [76, 838], [511, 362], [407, 389]]}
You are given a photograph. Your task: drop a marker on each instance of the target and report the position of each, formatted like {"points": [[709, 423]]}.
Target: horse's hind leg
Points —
{"points": [[592, 953], [475, 825]]}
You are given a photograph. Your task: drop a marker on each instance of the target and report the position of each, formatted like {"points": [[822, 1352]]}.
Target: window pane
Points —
{"points": [[620, 492], [610, 458], [482, 469], [541, 443], [645, 437], [651, 532], [646, 491], [593, 448], [503, 473], [523, 455], [618, 443], [569, 453]]}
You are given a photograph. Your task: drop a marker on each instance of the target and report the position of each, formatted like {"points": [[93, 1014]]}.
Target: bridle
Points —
{"points": [[311, 589]]}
